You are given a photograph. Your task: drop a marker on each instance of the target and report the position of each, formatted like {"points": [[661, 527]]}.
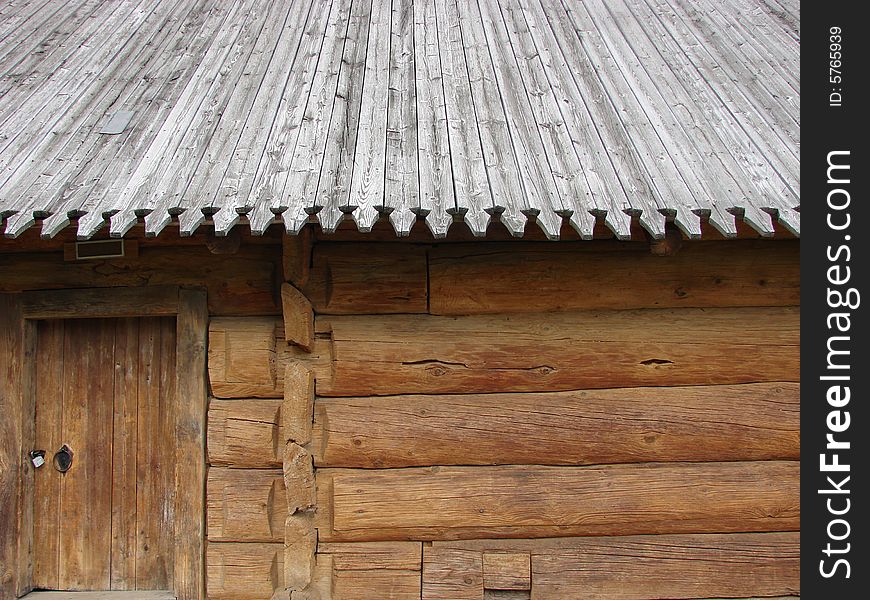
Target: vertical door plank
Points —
{"points": [[27, 442], [86, 494], [147, 461], [154, 470], [163, 514], [10, 442], [49, 398], [124, 445]]}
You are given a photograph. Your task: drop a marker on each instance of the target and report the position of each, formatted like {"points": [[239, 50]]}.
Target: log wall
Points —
{"points": [[465, 420], [470, 441]]}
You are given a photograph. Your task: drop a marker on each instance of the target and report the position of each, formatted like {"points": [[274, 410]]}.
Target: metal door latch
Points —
{"points": [[37, 457], [63, 459]]}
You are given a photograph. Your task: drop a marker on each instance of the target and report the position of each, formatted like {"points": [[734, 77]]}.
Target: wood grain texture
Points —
{"points": [[241, 352], [296, 257], [484, 278], [734, 565], [12, 450], [408, 354], [434, 153], [138, 595], [243, 283], [519, 501], [297, 411], [360, 556], [247, 357], [298, 317], [99, 527], [372, 583], [402, 179], [27, 408], [367, 278], [300, 546], [507, 571], [336, 172], [190, 426], [244, 571], [381, 355], [526, 112], [452, 573], [125, 451], [82, 304], [685, 567], [49, 433], [374, 569], [86, 489], [299, 478], [694, 423], [246, 505], [369, 156], [244, 433], [158, 454]]}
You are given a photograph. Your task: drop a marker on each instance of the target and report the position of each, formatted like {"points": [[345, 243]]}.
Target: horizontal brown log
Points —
{"points": [[241, 357], [366, 278], [239, 284], [758, 421], [422, 354], [537, 501], [244, 433], [359, 556], [486, 278], [244, 571], [246, 505], [247, 357], [369, 355], [89, 303], [738, 565], [373, 583], [389, 570], [685, 567]]}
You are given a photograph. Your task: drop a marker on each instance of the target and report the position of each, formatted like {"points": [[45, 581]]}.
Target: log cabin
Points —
{"points": [[399, 299]]}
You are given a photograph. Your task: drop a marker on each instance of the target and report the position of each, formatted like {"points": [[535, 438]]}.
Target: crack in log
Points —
{"points": [[656, 361], [433, 361]]}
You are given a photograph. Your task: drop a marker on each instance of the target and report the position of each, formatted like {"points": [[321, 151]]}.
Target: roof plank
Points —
{"points": [[250, 151], [510, 198], [519, 111], [367, 183], [333, 189], [147, 188], [207, 180], [311, 143], [402, 186], [273, 169], [568, 173], [38, 108], [434, 167], [76, 141], [471, 183]]}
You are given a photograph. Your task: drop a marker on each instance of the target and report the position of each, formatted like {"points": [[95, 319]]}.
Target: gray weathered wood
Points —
{"points": [[523, 111]]}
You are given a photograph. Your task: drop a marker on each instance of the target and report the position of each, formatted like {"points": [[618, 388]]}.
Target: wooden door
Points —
{"points": [[105, 388]]}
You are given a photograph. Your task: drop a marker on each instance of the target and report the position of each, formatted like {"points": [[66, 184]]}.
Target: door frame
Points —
{"points": [[19, 314]]}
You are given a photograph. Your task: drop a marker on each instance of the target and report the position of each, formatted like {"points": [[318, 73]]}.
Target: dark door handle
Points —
{"points": [[63, 459]]}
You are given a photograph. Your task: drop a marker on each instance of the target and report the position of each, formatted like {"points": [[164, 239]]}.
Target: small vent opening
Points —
{"points": [[99, 249]]}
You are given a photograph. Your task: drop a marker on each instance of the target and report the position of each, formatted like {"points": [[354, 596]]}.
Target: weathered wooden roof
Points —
{"points": [[437, 109]]}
